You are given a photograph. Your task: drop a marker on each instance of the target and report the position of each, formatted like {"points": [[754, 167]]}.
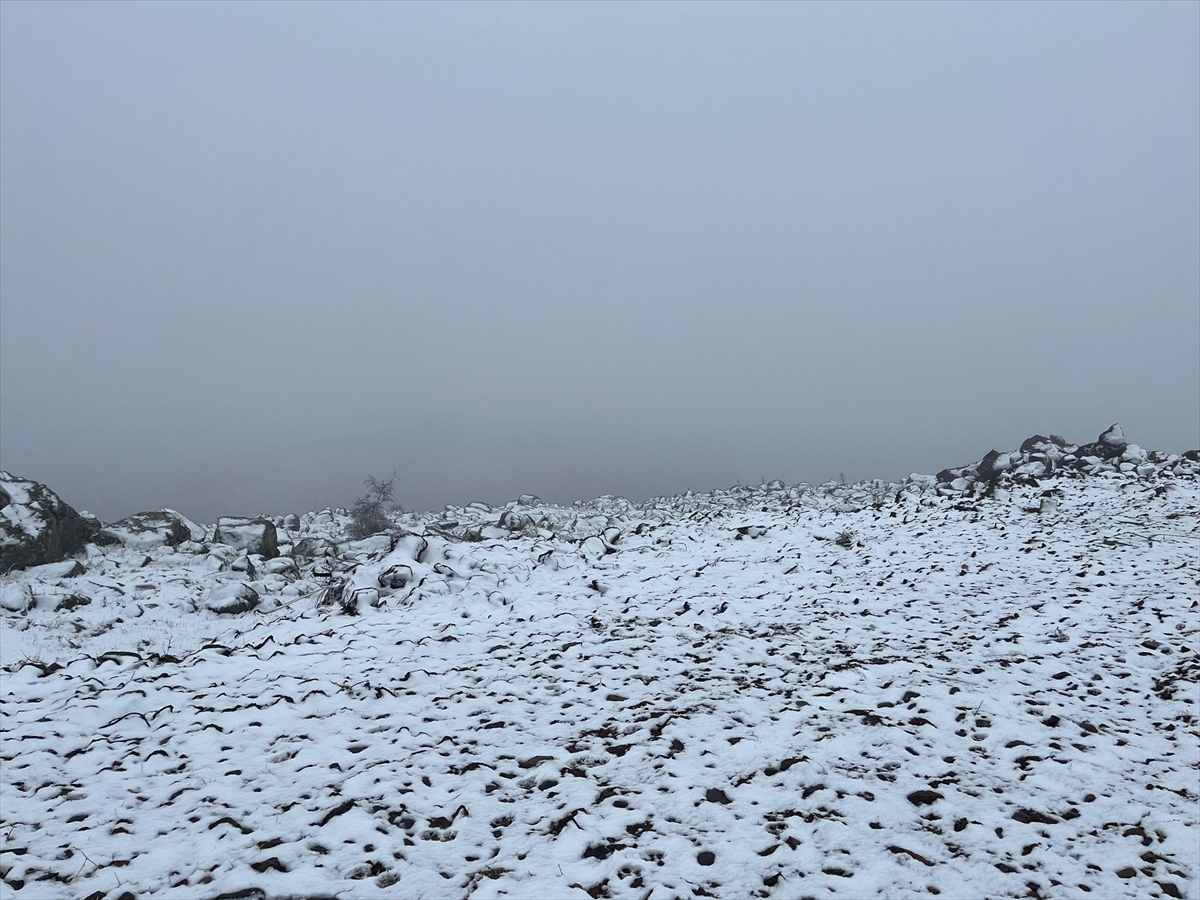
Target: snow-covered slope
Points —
{"points": [[872, 690]]}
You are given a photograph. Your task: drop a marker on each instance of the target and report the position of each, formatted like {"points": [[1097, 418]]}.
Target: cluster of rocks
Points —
{"points": [[1041, 457], [37, 527]]}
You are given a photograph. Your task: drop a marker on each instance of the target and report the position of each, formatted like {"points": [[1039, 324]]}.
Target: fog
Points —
{"points": [[250, 253]]}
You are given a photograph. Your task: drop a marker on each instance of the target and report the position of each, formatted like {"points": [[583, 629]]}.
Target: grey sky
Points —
{"points": [[250, 252]]}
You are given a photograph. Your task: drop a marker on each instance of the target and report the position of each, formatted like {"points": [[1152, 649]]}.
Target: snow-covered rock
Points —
{"points": [[1041, 457], [1110, 445], [68, 568], [232, 598], [15, 597], [36, 526], [160, 528], [249, 535], [195, 532]]}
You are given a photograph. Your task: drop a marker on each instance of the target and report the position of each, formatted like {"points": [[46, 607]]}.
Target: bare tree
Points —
{"points": [[369, 516]]}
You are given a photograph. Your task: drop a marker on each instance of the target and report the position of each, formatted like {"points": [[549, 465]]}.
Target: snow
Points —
{"points": [[18, 512], [705, 695]]}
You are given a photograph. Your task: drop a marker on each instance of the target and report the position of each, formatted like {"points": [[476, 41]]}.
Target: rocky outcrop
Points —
{"points": [[150, 529], [36, 526], [248, 535], [1042, 457]]}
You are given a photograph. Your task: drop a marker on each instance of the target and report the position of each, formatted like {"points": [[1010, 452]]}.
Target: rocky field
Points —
{"points": [[979, 684]]}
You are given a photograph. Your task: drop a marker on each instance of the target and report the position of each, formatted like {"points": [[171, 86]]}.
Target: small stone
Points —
{"points": [[924, 798]]}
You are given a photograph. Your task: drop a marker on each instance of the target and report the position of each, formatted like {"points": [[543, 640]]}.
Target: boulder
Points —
{"points": [[1114, 438], [992, 464], [150, 529], [514, 521], [1109, 445], [248, 535], [36, 526], [313, 547], [1033, 443], [16, 597], [1040, 441], [72, 602], [196, 532], [231, 598], [282, 566], [68, 568]]}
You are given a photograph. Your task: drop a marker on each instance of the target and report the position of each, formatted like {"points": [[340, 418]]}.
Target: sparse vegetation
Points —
{"points": [[369, 515]]}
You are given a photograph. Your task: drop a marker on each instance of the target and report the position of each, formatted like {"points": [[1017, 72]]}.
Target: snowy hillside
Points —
{"points": [[979, 686]]}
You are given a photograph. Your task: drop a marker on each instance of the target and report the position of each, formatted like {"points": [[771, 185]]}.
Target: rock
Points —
{"points": [[291, 522], [411, 546], [250, 535], [36, 526], [1034, 442], [1114, 437], [231, 598], [374, 545], [195, 532], [150, 529], [313, 548], [16, 597], [1109, 445], [395, 577], [68, 568], [1134, 454], [245, 564], [593, 547], [74, 601], [355, 600], [514, 521], [282, 566], [923, 797], [992, 464], [1040, 441]]}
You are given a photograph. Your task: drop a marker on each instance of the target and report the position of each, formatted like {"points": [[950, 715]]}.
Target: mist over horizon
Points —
{"points": [[330, 472], [250, 254]]}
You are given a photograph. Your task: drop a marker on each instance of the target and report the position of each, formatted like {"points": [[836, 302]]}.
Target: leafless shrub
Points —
{"points": [[369, 516]]}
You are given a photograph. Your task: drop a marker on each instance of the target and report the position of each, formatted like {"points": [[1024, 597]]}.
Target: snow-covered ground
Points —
{"points": [[858, 691]]}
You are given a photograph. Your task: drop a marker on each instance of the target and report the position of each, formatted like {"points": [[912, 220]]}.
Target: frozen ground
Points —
{"points": [[862, 691]]}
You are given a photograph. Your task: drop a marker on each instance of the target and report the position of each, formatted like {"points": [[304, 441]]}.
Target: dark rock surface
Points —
{"points": [[36, 526]]}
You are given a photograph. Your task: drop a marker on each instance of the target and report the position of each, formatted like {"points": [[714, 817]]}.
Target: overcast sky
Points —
{"points": [[251, 252]]}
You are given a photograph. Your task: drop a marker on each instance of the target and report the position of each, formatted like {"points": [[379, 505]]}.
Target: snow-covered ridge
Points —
{"points": [[983, 688]]}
